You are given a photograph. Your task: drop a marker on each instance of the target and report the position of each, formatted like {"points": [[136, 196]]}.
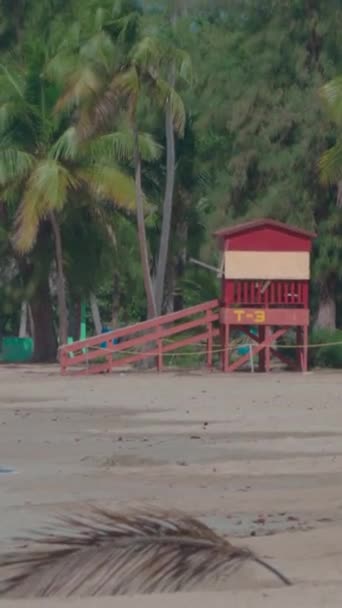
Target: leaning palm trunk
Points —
{"points": [[106, 553], [167, 204], [95, 314], [61, 295], [151, 305]]}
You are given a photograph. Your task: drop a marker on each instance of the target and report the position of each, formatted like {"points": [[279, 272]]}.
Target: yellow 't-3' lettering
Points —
{"points": [[260, 316], [239, 313]]}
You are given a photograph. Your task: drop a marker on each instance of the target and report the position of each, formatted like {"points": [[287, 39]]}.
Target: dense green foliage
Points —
{"points": [[259, 116], [330, 353]]}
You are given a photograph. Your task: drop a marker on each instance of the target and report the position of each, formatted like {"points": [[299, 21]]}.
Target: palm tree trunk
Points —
{"points": [[45, 344], [169, 286], [35, 276], [326, 316], [167, 204], [95, 314], [30, 330], [115, 300], [23, 320], [151, 305], [61, 293], [74, 318]]}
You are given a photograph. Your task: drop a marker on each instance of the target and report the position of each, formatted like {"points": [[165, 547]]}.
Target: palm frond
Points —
{"points": [[331, 94], [72, 37], [149, 149], [167, 94], [178, 111], [331, 164], [66, 147], [112, 146], [107, 553], [14, 164], [128, 26], [11, 194], [120, 146], [83, 85], [98, 116], [74, 55], [102, 217], [46, 190], [106, 105], [8, 111], [11, 82], [25, 227], [148, 53], [99, 51], [183, 65], [100, 19], [13, 110], [62, 66], [109, 184], [49, 184], [127, 83]]}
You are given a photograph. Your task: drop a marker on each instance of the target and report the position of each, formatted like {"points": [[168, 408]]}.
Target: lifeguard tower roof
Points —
{"points": [[265, 234]]}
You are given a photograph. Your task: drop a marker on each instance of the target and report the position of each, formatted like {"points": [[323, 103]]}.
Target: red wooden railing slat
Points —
{"points": [[140, 327], [258, 293], [245, 292], [272, 296], [239, 291], [293, 292], [252, 292], [154, 331], [300, 293], [279, 298]]}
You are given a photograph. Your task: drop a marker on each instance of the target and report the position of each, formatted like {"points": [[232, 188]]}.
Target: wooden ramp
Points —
{"points": [[150, 339]]}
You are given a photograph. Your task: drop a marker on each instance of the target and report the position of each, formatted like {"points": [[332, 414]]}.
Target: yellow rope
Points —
{"points": [[212, 351]]}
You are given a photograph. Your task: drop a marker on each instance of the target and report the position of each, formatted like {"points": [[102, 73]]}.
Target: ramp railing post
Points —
{"points": [[62, 361], [226, 346], [305, 347], [210, 340], [109, 358], [160, 362]]}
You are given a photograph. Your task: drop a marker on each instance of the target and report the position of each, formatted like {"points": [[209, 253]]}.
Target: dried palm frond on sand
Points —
{"points": [[108, 553]]}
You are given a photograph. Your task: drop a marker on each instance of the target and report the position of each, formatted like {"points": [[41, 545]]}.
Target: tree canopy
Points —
{"points": [[131, 129]]}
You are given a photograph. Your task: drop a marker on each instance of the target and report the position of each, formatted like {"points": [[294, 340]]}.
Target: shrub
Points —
{"points": [[326, 356]]}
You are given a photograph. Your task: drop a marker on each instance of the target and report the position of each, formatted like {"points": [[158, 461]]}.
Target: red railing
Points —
{"points": [[266, 293], [151, 336]]}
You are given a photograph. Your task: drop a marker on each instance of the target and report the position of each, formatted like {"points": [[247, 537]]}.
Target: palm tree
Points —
{"points": [[177, 67], [43, 165], [86, 64], [155, 68], [99, 86], [331, 160]]}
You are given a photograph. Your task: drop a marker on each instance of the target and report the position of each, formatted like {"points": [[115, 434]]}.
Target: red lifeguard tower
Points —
{"points": [[265, 284], [265, 289]]}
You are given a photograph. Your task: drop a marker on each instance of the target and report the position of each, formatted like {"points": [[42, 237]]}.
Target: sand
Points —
{"points": [[256, 457]]}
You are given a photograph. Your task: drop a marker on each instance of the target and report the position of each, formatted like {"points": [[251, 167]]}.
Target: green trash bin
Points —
{"points": [[17, 350]]}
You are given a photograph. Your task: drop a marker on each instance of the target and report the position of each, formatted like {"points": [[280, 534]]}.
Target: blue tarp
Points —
{"points": [[105, 330]]}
